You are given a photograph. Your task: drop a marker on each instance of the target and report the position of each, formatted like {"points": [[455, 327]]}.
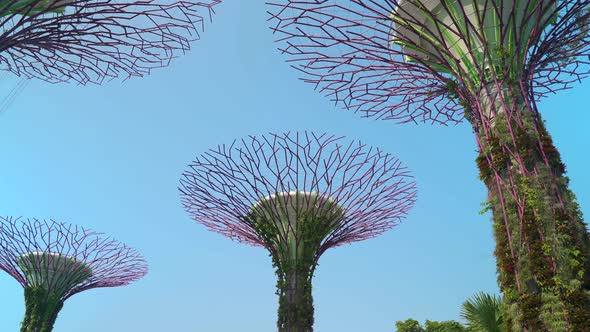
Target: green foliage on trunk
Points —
{"points": [[294, 255], [296, 311], [546, 250], [42, 308]]}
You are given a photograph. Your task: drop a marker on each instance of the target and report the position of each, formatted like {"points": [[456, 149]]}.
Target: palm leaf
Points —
{"points": [[482, 313]]}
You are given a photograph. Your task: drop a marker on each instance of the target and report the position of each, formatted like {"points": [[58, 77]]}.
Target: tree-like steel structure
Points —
{"points": [[297, 194], [53, 261], [488, 61], [93, 40]]}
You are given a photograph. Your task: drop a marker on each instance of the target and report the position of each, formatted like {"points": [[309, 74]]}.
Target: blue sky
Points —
{"points": [[109, 157]]}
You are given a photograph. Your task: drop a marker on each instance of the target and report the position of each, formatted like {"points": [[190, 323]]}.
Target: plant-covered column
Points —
{"points": [[53, 261], [295, 299], [41, 309], [542, 244], [297, 195], [296, 238], [50, 275]]}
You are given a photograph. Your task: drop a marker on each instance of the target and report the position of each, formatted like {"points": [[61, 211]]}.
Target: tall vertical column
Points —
{"points": [[542, 244]]}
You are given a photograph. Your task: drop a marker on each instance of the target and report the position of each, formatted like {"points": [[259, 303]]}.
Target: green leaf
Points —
{"points": [[482, 313]]}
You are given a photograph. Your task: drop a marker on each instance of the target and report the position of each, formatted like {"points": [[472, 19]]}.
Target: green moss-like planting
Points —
{"points": [[294, 256], [542, 244], [42, 308]]}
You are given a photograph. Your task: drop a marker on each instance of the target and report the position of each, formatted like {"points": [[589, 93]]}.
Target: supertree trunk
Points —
{"points": [[295, 300], [42, 308], [296, 248], [542, 244]]}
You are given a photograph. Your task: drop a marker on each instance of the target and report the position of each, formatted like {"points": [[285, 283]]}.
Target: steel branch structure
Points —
{"points": [[488, 61], [297, 195], [356, 53], [53, 261], [93, 40]]}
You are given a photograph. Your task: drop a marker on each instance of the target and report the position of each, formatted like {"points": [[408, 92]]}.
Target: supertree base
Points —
{"points": [[296, 234], [542, 243], [42, 308], [295, 300]]}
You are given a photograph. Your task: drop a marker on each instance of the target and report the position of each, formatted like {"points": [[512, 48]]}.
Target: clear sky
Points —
{"points": [[109, 157]]}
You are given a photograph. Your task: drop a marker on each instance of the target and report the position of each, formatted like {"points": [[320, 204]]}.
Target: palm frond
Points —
{"points": [[482, 313]]}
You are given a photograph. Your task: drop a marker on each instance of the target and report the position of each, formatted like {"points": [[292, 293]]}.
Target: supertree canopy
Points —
{"points": [[297, 194], [488, 61], [53, 261], [90, 40]]}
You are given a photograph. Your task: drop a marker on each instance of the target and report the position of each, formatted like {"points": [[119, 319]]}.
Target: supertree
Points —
{"points": [[297, 195], [54, 260], [93, 40], [489, 62]]}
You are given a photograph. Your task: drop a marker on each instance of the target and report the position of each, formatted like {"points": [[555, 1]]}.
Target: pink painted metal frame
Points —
{"points": [[94, 40]]}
